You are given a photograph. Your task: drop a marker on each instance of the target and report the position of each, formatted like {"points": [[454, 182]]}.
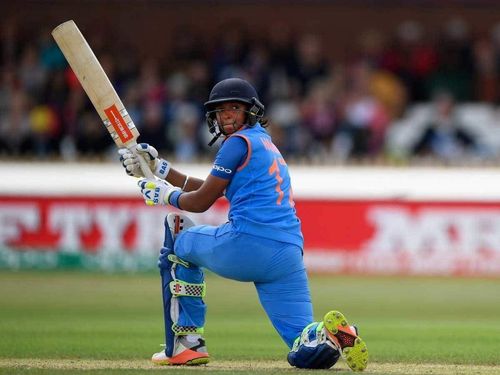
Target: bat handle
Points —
{"points": [[145, 168], [142, 162]]}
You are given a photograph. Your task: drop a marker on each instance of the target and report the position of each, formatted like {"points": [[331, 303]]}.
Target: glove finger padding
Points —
{"points": [[148, 151], [156, 192], [151, 192], [130, 162]]}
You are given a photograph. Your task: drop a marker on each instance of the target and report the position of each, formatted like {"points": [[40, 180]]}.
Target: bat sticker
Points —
{"points": [[118, 123]]}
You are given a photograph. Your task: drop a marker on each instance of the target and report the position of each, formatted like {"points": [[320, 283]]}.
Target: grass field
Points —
{"points": [[64, 323]]}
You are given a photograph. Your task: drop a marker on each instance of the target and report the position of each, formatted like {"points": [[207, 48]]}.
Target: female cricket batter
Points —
{"points": [[261, 243]]}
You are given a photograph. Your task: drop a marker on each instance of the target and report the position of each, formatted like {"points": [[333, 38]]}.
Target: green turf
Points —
{"points": [[118, 317]]}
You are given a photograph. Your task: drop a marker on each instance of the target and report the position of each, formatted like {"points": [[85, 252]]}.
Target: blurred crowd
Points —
{"points": [[320, 109]]}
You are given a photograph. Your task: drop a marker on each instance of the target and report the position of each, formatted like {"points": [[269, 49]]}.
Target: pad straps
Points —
{"points": [[187, 330], [180, 288], [175, 259]]}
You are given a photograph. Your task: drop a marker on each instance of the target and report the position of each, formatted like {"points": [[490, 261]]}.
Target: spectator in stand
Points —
{"points": [[71, 115], [281, 47], [56, 90], [51, 57], [256, 66], [288, 135], [443, 136], [385, 86], [178, 85], [319, 116], [311, 64], [133, 101], [485, 70], [153, 127], [411, 58], [151, 86], [184, 129], [282, 84], [10, 46], [369, 49], [455, 71], [7, 89], [32, 75], [486, 50], [14, 122], [364, 118], [92, 138], [198, 76], [45, 131], [390, 92]]}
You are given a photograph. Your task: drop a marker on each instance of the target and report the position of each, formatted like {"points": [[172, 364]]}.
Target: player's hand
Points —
{"points": [[156, 192], [130, 161]]}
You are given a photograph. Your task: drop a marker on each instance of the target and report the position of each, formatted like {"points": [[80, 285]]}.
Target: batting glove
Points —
{"points": [[156, 192], [130, 161]]}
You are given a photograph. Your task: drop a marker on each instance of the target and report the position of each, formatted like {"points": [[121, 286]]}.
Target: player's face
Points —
{"points": [[231, 116]]}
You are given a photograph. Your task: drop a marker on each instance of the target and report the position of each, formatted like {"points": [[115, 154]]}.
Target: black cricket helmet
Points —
{"points": [[232, 90]]}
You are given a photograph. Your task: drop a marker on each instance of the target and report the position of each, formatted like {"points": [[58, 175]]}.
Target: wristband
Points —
{"points": [[173, 198], [162, 169]]}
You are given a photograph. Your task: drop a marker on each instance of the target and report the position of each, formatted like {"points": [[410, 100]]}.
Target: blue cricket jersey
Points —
{"points": [[259, 191]]}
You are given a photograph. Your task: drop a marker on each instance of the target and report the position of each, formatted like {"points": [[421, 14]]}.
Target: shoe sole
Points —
{"points": [[197, 361], [352, 347], [193, 362], [190, 362]]}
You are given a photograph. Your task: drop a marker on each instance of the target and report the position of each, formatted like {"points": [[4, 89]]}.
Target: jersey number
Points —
{"points": [[274, 169]]}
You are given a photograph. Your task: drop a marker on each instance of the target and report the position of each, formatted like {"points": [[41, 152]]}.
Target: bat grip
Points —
{"points": [[145, 167], [142, 163]]}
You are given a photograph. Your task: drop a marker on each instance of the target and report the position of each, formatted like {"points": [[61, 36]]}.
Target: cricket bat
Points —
{"points": [[99, 89]]}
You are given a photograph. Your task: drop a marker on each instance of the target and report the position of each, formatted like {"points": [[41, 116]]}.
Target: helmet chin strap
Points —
{"points": [[221, 131], [216, 137]]}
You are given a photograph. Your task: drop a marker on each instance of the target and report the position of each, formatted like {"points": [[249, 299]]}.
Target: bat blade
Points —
{"points": [[98, 88]]}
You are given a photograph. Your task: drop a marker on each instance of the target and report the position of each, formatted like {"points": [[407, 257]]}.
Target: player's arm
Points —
{"points": [[185, 182], [204, 197], [231, 155]]}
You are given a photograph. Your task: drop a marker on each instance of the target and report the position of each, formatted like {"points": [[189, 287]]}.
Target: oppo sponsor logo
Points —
{"points": [[222, 169]]}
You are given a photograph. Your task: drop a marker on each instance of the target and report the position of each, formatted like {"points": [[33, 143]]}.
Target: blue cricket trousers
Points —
{"points": [[276, 268]]}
